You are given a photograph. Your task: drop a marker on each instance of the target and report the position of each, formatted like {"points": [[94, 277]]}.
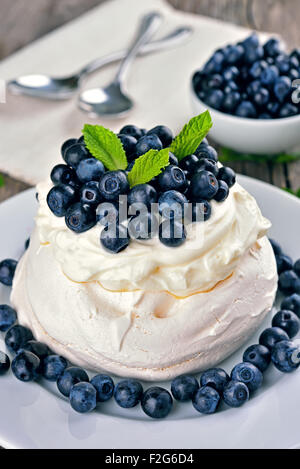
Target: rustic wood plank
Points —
{"points": [[11, 187]]}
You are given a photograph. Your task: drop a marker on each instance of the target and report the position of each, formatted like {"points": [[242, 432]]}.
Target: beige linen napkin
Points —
{"points": [[32, 131]]}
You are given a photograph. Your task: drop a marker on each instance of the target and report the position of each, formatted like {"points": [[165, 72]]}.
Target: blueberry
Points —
{"points": [[230, 87], [201, 211], [74, 154], [288, 110], [273, 47], [283, 263], [172, 159], [148, 142], [208, 165], [215, 81], [16, 338], [157, 402], [114, 238], [89, 169], [215, 378], [81, 140], [204, 185], [83, 397], [37, 348], [215, 63], [289, 282], [172, 233], [227, 175], [171, 204], [292, 303], [164, 134], [206, 400], [223, 192], [231, 100], [184, 387], [104, 386], [282, 62], [189, 163], [234, 54], [288, 321], [172, 178], [253, 54], [69, 377], [264, 116], [130, 166], [107, 213], [251, 41], [7, 271], [60, 198], [25, 366], [276, 247], [258, 355], [235, 394], [253, 87], [80, 218], [206, 151], [269, 337], [132, 130], [273, 108], [294, 62], [4, 363], [142, 194], [90, 194], [286, 356], [27, 243], [257, 69], [8, 317], [53, 366], [269, 75], [112, 184], [248, 374], [67, 144], [143, 226], [293, 74], [262, 97], [128, 393], [246, 109], [282, 88], [63, 174], [129, 144], [296, 267], [214, 99]]}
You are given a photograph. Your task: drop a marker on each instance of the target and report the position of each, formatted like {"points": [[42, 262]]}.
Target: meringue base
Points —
{"points": [[143, 334]]}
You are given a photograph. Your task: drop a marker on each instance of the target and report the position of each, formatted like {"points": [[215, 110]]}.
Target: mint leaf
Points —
{"points": [[147, 166], [104, 145], [1, 180], [191, 135]]}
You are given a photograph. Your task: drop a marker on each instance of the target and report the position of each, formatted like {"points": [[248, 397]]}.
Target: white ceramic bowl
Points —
{"points": [[254, 136]]}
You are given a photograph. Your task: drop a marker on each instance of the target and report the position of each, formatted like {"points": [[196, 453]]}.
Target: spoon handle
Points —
{"points": [[176, 37], [148, 27]]}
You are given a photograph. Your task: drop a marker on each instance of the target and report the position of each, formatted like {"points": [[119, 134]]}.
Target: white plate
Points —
{"points": [[34, 415]]}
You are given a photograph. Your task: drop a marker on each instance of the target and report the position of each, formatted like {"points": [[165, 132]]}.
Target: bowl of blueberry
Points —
{"points": [[253, 95]]}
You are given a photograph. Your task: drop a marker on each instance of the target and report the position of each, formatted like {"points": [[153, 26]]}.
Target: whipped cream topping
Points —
{"points": [[146, 335], [210, 254]]}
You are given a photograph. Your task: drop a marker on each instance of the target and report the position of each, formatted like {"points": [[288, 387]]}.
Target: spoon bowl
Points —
{"points": [[42, 86], [109, 101]]}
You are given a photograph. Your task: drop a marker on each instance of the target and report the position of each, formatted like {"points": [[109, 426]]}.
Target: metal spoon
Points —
{"points": [[112, 100], [45, 87]]}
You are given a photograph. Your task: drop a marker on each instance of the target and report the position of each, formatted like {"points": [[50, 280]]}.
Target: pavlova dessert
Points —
{"points": [[147, 260]]}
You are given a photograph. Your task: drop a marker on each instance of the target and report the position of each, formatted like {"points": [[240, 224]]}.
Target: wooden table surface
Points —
{"points": [[18, 28]]}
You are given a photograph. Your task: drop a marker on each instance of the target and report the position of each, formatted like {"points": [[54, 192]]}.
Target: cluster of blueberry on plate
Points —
{"points": [[85, 192], [250, 80], [34, 360]]}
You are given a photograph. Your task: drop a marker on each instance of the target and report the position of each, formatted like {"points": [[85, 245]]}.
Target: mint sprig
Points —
{"points": [[191, 135], [1, 180], [147, 166], [104, 145]]}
